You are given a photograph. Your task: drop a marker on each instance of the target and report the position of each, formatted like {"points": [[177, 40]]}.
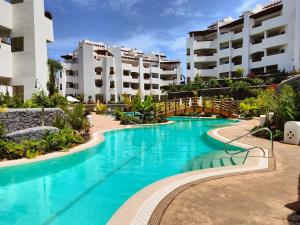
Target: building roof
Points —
{"points": [[170, 62], [103, 52], [202, 32], [268, 10], [234, 23]]}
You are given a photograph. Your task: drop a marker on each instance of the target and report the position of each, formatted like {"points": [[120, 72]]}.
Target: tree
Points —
{"points": [[240, 72], [198, 79], [136, 102], [54, 67], [241, 90]]}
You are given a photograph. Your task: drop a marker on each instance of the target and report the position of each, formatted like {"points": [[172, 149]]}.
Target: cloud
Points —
{"points": [[178, 8], [247, 5], [124, 6]]}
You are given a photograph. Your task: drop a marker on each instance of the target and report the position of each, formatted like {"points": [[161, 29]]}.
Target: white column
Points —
{"points": [[246, 43], [297, 37], [141, 77]]}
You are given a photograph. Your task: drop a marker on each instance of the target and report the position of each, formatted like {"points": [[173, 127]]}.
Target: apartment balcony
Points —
{"points": [[207, 72], [164, 83], [237, 52], [6, 15], [169, 72], [48, 28], [155, 92], [269, 24], [256, 64], [281, 39], [155, 80], [275, 59], [155, 69], [6, 60], [236, 36], [224, 68], [256, 48], [225, 37], [130, 67], [6, 89], [212, 58], [224, 53], [205, 45]]}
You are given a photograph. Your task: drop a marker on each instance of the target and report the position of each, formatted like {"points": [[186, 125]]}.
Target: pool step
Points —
{"points": [[199, 163]]}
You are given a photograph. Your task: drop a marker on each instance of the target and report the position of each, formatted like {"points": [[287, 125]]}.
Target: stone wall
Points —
{"points": [[33, 134], [20, 119]]}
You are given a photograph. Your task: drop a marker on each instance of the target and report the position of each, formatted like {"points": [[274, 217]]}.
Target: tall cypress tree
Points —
{"points": [[54, 67]]}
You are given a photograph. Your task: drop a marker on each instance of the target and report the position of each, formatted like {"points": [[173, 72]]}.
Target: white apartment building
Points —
{"points": [[260, 41], [25, 30], [106, 72]]}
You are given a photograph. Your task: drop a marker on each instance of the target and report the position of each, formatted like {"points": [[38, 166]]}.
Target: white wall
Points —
{"points": [[5, 61], [5, 14]]}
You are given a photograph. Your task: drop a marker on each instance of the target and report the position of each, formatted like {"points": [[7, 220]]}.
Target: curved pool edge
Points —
{"points": [[97, 138], [149, 204]]}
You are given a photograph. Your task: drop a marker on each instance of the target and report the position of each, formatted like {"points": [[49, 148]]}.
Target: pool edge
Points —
{"points": [[141, 208]]}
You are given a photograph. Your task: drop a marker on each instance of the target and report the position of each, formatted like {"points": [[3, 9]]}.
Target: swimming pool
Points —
{"points": [[86, 188]]}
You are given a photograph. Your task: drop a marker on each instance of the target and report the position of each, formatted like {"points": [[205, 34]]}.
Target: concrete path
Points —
{"points": [[104, 122], [258, 199]]}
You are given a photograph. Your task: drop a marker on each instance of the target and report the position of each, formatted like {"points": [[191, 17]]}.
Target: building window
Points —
{"points": [[98, 70], [70, 85], [112, 84], [188, 51], [70, 73], [17, 44], [111, 70], [155, 75], [126, 85], [155, 86], [60, 74], [99, 83], [126, 72], [188, 66], [112, 98], [188, 80], [60, 87]]}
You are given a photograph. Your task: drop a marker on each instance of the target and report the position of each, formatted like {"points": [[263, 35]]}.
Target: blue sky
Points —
{"points": [[149, 25]]}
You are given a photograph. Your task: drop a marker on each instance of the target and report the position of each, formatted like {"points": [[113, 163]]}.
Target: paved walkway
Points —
{"points": [[258, 199], [104, 122]]}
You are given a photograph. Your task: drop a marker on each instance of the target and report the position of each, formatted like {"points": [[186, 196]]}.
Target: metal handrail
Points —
{"points": [[255, 147]]}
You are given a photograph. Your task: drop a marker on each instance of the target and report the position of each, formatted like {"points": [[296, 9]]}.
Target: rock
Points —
{"points": [[33, 134]]}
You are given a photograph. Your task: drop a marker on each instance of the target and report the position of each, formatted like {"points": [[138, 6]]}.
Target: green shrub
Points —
{"points": [[241, 90], [62, 140], [76, 117], [228, 82], [213, 83], [10, 150], [249, 108], [2, 129], [57, 100], [130, 120], [61, 122], [32, 149], [118, 114], [101, 109]]}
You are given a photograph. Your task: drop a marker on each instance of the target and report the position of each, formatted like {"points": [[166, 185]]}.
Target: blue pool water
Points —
{"points": [[86, 188]]}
